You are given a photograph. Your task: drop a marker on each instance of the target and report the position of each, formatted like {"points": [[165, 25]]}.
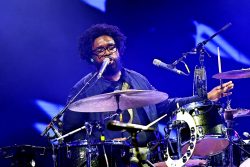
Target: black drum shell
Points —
{"points": [[74, 154]]}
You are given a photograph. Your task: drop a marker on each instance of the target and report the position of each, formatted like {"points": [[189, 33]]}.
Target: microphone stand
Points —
{"points": [[56, 119], [200, 46]]}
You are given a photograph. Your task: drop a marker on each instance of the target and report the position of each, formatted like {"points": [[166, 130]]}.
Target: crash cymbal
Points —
{"points": [[238, 112], [234, 74], [107, 102]]}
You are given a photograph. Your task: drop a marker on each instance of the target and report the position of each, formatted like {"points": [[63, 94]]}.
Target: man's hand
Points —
{"points": [[220, 91]]}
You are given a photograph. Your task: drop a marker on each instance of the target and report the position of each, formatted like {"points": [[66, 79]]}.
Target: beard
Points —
{"points": [[113, 68]]}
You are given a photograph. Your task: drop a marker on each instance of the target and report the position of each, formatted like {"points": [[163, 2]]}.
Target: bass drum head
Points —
{"points": [[209, 145]]}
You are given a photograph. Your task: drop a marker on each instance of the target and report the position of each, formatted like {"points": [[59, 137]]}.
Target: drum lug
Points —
{"points": [[82, 154], [123, 153], [200, 131], [69, 154]]}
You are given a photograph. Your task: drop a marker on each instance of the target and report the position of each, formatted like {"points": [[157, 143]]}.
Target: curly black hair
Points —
{"points": [[95, 31]]}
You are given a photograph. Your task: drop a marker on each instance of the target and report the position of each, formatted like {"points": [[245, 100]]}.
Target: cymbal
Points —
{"points": [[239, 112], [234, 74], [129, 98], [118, 126]]}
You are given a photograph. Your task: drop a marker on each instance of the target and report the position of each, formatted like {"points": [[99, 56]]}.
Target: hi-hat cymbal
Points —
{"points": [[118, 126], [238, 112], [107, 102], [234, 74]]}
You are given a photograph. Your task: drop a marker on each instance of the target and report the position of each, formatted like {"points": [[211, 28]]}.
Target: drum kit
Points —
{"points": [[203, 134]]}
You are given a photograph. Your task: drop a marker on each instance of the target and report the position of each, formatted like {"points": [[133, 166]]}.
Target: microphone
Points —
{"points": [[169, 67], [117, 126], [105, 63], [246, 134]]}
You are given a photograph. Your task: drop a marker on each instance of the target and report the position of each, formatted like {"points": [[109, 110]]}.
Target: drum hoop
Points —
{"points": [[181, 115], [193, 105], [82, 143]]}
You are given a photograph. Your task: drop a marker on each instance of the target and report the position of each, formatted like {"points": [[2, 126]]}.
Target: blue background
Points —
{"points": [[39, 58]]}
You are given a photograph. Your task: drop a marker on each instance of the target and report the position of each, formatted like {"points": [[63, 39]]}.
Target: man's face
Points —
{"points": [[104, 46]]}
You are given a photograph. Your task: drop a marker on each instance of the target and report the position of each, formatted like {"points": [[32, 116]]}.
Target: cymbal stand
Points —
{"points": [[230, 135], [137, 151], [229, 131], [118, 110], [89, 128]]}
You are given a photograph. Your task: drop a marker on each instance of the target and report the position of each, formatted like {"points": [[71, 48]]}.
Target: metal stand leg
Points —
{"points": [[137, 151], [179, 142], [88, 127], [88, 154], [230, 134]]}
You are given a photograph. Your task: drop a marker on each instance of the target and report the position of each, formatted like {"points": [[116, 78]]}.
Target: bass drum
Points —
{"points": [[211, 134], [223, 158], [74, 154]]}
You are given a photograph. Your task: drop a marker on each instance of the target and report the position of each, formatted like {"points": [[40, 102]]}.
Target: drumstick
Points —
{"points": [[157, 120], [221, 82], [219, 65]]}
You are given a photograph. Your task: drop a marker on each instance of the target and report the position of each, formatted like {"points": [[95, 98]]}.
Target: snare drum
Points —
{"points": [[211, 135], [74, 154]]}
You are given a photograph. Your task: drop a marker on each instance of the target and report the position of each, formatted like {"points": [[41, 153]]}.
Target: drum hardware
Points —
{"points": [[117, 125], [231, 133], [167, 132], [235, 113], [211, 136], [233, 74], [179, 125], [74, 153], [56, 124], [199, 49], [246, 163], [120, 99], [183, 119], [90, 151], [114, 101], [247, 135], [133, 129], [204, 127], [229, 115], [89, 129], [24, 155], [159, 152], [70, 133]]}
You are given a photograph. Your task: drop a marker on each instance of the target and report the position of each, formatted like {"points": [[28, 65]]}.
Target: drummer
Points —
{"points": [[102, 41]]}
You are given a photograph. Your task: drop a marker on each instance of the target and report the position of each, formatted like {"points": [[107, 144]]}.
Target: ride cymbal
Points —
{"points": [[234, 74], [238, 112]]}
